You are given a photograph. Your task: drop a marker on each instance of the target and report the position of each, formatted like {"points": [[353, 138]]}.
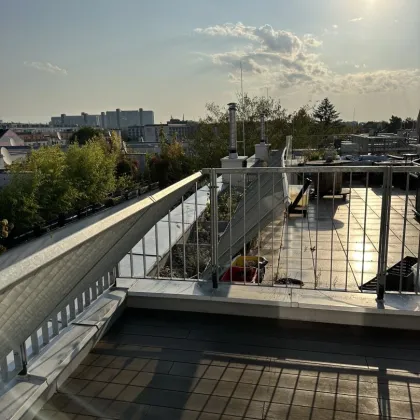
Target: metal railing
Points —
{"points": [[46, 284], [351, 240], [346, 240]]}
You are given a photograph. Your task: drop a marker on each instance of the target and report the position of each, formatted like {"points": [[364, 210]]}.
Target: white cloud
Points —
{"points": [[269, 39], [335, 26], [48, 67], [286, 61], [358, 19]]}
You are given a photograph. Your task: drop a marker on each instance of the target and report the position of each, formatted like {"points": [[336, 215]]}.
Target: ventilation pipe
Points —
{"points": [[233, 154], [262, 141]]}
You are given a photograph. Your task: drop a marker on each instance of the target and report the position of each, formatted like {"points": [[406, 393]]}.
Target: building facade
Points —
{"points": [[118, 119]]}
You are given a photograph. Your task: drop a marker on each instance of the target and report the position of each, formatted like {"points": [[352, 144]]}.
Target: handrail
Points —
{"points": [[40, 279], [308, 168]]}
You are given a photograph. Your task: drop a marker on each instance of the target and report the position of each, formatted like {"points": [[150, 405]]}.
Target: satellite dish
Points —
{"points": [[6, 156]]}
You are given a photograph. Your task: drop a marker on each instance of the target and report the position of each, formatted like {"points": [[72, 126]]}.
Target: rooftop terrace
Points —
{"points": [[154, 365]]}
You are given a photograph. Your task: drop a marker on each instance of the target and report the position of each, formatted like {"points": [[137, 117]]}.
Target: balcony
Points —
{"points": [[137, 314]]}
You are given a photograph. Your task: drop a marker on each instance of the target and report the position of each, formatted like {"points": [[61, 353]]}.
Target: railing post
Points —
{"points": [[214, 228], [384, 233], [23, 360]]}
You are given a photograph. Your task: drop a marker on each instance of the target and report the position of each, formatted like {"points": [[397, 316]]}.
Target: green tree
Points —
{"points": [[409, 124], [326, 114], [18, 202], [394, 124], [83, 135], [54, 193], [91, 169]]}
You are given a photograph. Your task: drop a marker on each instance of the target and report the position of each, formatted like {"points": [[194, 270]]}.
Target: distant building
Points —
{"points": [[10, 138], [82, 120], [135, 132], [151, 133], [114, 120]]}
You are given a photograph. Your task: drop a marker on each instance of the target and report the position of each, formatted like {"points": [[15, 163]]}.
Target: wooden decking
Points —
{"points": [[157, 365]]}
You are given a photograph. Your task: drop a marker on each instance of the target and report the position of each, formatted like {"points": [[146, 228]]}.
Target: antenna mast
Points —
{"points": [[243, 114]]}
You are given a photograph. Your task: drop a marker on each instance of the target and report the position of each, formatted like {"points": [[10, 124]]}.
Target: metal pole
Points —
{"points": [[243, 114], [184, 257], [383, 234], [214, 232], [244, 199], [196, 233], [170, 245], [230, 227]]}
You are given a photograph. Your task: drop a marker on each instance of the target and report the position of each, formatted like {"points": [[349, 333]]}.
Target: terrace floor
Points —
{"points": [[163, 365], [336, 246]]}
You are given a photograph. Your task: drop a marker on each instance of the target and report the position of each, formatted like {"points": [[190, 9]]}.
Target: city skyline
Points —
{"points": [[172, 58]]}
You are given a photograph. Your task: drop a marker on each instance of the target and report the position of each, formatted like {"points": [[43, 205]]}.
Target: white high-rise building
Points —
{"points": [[117, 119]]}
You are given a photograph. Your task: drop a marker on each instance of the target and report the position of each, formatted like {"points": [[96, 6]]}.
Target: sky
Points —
{"points": [[174, 56]]}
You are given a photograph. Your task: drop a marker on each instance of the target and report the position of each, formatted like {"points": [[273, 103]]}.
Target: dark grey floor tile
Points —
{"points": [[97, 407], [111, 391], [142, 379], [224, 389], [76, 405], [73, 386], [172, 399], [57, 402], [399, 409], [232, 374], [187, 369], [251, 376], [245, 408], [119, 410], [107, 375], [137, 364], [90, 372], [92, 389], [102, 361], [124, 377], [214, 372], [244, 390], [130, 393], [160, 413], [205, 386], [216, 404], [158, 366]]}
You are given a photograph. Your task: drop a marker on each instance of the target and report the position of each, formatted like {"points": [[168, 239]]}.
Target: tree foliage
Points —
{"points": [[395, 124], [326, 114], [50, 182], [170, 165], [84, 134]]}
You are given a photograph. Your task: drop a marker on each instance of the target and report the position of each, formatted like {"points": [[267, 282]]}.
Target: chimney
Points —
{"points": [[141, 117], [233, 154], [262, 139], [118, 110]]}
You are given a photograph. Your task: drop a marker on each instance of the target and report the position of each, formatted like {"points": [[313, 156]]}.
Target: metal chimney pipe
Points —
{"points": [[233, 154], [262, 141]]}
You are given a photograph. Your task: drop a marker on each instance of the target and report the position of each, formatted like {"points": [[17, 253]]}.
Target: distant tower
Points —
{"points": [[118, 110], [141, 117]]}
